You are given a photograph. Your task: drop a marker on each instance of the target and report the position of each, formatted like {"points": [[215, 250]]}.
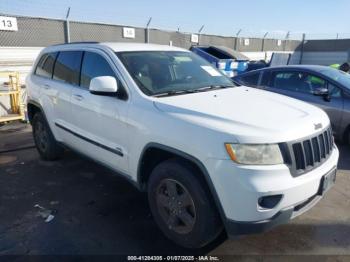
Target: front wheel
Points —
{"points": [[181, 206]]}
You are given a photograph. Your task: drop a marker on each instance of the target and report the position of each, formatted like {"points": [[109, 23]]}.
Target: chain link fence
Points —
{"points": [[43, 32]]}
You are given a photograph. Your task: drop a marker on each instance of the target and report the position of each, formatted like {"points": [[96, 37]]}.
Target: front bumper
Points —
{"points": [[239, 188]]}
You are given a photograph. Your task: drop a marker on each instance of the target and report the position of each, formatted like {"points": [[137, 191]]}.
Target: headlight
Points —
{"points": [[258, 154]]}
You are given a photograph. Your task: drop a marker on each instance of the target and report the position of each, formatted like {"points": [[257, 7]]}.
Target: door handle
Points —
{"points": [[78, 97]]}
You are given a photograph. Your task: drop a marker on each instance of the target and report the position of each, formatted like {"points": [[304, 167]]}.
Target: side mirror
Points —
{"points": [[103, 85], [322, 91]]}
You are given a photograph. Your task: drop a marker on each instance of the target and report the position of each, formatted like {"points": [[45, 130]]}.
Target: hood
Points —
{"points": [[250, 115]]}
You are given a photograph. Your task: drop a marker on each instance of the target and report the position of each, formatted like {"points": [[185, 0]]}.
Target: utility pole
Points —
{"points": [[237, 34], [199, 33], [67, 31], [147, 29]]}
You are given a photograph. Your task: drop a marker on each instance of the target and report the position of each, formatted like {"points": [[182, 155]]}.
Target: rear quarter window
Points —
{"points": [[45, 65]]}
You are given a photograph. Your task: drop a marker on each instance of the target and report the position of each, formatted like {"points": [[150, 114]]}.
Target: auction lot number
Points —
{"points": [[8, 23]]}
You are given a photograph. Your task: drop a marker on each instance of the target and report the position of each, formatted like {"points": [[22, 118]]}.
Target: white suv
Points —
{"points": [[211, 155]]}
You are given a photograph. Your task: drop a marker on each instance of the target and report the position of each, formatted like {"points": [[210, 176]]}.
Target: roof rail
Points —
{"points": [[81, 42]]}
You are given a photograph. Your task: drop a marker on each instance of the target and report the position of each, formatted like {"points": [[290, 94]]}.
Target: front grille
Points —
{"points": [[308, 153]]}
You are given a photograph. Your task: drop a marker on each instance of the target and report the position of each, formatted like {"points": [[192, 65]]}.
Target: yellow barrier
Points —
{"points": [[12, 89]]}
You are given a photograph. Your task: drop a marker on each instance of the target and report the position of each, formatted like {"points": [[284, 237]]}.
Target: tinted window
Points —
{"points": [[161, 72], [334, 91], [45, 65], [265, 80], [250, 80], [94, 65], [297, 82], [67, 67], [338, 76]]}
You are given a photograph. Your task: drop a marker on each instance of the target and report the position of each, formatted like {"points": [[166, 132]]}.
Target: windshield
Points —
{"points": [[158, 72], [339, 76]]}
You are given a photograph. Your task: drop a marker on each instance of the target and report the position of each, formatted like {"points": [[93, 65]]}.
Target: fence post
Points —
{"points": [[199, 33], [302, 49], [263, 42], [147, 30], [237, 34], [67, 31]]}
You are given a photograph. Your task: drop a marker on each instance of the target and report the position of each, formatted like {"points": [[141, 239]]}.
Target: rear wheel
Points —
{"points": [[45, 142], [181, 206]]}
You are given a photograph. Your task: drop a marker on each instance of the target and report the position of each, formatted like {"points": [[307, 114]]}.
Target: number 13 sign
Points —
{"points": [[8, 23]]}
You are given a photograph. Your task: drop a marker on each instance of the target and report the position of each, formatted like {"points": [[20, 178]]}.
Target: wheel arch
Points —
{"points": [[145, 168], [32, 108]]}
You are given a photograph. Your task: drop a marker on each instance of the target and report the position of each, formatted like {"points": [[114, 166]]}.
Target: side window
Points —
{"points": [[316, 82], [265, 80], [250, 80], [45, 65], [295, 81], [94, 65], [334, 91], [67, 67]]}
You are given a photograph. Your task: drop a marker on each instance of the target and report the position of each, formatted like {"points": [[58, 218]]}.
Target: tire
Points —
{"points": [[182, 206], [44, 140]]}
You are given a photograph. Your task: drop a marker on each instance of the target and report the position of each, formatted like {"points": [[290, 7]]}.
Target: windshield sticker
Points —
{"points": [[211, 71]]}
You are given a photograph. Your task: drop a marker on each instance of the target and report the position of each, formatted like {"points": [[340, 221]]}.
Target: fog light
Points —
{"points": [[269, 202]]}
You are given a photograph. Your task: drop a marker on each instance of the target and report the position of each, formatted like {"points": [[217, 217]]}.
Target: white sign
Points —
{"points": [[128, 32], [194, 38], [8, 23], [246, 41], [279, 42]]}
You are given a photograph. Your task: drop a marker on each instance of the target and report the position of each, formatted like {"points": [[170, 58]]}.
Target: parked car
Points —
{"points": [[210, 155], [325, 87], [228, 61]]}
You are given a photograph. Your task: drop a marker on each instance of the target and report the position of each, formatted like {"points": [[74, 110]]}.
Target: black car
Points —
{"points": [[322, 86]]}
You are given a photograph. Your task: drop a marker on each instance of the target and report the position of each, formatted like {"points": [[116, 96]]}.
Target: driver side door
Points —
{"points": [[100, 120]]}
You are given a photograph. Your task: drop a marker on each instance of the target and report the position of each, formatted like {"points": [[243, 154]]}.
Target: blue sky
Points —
{"points": [[318, 18]]}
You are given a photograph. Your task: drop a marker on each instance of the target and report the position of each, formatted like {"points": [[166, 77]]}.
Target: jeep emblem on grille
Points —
{"points": [[318, 126]]}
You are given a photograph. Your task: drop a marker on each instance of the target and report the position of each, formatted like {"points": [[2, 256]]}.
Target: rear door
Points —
{"points": [[99, 122], [301, 85], [65, 77], [40, 84]]}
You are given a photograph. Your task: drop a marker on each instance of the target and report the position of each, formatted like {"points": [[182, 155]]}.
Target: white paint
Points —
{"points": [[128, 32], [8, 23]]}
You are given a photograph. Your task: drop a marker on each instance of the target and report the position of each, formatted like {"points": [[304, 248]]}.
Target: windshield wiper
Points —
{"points": [[201, 89], [173, 92], [212, 87]]}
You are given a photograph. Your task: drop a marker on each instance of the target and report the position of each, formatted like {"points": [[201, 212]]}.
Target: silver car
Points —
{"points": [[322, 86]]}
